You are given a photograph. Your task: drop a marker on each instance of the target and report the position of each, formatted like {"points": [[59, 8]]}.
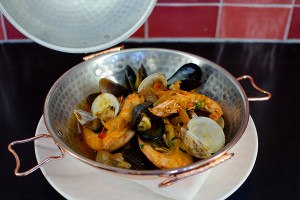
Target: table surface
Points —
{"points": [[28, 70]]}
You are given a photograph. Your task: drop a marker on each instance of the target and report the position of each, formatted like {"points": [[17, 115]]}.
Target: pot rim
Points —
{"points": [[193, 166]]}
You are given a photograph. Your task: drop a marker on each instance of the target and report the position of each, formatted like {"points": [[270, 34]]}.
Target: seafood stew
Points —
{"points": [[151, 122], [81, 82]]}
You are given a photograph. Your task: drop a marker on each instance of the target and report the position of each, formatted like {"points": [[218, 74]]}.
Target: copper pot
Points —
{"points": [[82, 80]]}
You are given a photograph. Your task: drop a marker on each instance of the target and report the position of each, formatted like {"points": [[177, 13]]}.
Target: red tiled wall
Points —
{"points": [[11, 32], [1, 34], [212, 20], [295, 24], [259, 1], [196, 21], [252, 22]]}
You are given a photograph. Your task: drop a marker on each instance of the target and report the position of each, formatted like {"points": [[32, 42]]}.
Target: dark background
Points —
{"points": [[28, 70]]}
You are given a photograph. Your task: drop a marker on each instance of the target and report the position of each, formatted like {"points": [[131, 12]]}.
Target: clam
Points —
{"points": [[147, 126], [157, 80], [203, 137], [90, 99], [221, 122], [116, 160], [189, 75], [87, 120], [199, 112], [108, 86], [105, 106]]}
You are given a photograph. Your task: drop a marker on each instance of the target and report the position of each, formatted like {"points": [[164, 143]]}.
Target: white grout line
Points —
{"points": [[185, 40], [185, 4], [212, 40], [218, 27], [17, 41], [288, 23], [3, 27], [259, 5], [226, 4]]}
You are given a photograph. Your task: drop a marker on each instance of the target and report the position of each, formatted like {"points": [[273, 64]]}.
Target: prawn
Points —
{"points": [[169, 101], [167, 158], [117, 129]]}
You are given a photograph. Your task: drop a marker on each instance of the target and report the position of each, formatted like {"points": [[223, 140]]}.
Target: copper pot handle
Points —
{"points": [[268, 94], [18, 163], [114, 49], [180, 176]]}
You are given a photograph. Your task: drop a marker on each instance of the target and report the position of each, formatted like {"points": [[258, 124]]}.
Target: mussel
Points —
{"points": [[147, 126], [130, 78], [133, 80], [189, 75], [133, 155], [108, 86], [140, 76]]}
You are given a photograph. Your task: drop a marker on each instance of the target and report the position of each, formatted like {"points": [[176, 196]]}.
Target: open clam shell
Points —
{"points": [[203, 137], [105, 106]]}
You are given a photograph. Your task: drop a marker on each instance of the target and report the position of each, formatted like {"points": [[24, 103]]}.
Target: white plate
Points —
{"points": [[74, 179]]}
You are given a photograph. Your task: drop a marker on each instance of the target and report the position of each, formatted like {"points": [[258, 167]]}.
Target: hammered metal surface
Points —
{"points": [[77, 26], [82, 80]]}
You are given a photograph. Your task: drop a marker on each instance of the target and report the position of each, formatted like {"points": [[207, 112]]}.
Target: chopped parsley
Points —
{"points": [[170, 143], [142, 146], [199, 105]]}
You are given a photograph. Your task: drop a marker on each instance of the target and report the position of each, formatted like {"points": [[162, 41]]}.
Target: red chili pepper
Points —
{"points": [[101, 135], [157, 86], [190, 105]]}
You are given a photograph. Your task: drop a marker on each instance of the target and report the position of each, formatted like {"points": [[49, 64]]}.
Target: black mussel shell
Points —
{"points": [[130, 78], [157, 125], [141, 74], [189, 74], [133, 155], [108, 86], [189, 84], [156, 131], [136, 113]]}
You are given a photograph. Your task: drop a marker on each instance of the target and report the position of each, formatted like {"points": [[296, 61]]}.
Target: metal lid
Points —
{"points": [[77, 26]]}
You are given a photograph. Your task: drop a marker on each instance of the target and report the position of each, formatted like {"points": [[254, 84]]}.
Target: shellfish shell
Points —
{"points": [[203, 137]]}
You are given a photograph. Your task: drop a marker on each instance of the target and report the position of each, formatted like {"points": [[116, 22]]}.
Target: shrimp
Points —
{"points": [[207, 104], [169, 101], [118, 131], [166, 158]]}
